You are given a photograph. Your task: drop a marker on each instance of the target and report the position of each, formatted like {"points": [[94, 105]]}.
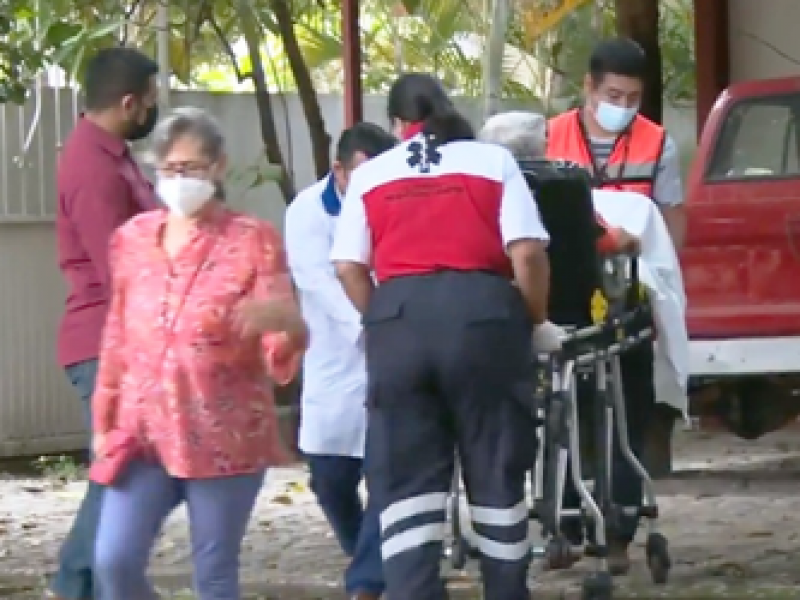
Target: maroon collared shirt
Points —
{"points": [[100, 187]]}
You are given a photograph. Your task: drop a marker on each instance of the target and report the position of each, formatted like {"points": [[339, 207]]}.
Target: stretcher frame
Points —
{"points": [[593, 350]]}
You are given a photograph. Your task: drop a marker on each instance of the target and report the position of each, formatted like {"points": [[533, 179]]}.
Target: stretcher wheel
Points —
{"points": [[597, 586], [658, 559], [558, 554]]}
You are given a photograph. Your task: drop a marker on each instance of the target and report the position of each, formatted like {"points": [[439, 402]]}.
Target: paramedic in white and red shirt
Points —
{"points": [[334, 421], [446, 223]]}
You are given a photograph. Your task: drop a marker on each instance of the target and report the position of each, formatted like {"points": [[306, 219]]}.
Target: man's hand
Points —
{"points": [[627, 243], [99, 444], [254, 318]]}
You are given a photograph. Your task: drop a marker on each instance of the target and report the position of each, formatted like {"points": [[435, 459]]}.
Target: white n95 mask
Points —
{"points": [[184, 196], [613, 118]]}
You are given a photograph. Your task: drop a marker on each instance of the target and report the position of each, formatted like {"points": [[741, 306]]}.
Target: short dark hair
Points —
{"points": [[618, 56], [367, 138], [114, 73]]}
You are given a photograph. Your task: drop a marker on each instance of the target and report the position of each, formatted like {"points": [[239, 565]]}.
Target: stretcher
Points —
{"points": [[594, 351], [622, 320]]}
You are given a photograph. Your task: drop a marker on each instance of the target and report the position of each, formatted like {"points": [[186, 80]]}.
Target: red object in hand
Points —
{"points": [[119, 450]]}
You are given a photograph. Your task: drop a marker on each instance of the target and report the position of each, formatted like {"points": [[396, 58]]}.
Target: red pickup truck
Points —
{"points": [[741, 260]]}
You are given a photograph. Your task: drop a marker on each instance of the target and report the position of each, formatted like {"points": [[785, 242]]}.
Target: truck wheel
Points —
{"points": [[753, 407]]}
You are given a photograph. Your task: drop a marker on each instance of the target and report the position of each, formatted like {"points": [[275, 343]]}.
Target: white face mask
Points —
{"points": [[184, 196], [613, 118]]}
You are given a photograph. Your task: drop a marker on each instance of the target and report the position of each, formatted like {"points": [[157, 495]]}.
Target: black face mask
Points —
{"points": [[139, 132]]}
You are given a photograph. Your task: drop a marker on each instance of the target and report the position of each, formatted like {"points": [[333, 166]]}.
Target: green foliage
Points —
{"points": [[445, 37], [59, 468], [35, 34], [439, 36], [567, 50], [252, 175], [31, 40], [677, 50]]}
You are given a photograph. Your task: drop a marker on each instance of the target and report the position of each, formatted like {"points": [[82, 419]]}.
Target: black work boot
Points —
{"points": [[619, 563]]}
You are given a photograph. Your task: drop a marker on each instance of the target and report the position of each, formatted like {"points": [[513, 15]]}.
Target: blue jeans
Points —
{"points": [[74, 580], [334, 481], [134, 511]]}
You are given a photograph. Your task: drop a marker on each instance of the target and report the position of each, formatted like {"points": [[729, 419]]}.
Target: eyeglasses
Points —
{"points": [[190, 169]]}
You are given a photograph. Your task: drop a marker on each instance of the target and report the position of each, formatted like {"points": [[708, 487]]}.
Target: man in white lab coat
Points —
{"points": [[333, 421]]}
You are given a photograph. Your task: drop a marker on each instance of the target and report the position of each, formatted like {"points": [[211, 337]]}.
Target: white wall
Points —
{"points": [[764, 40]]}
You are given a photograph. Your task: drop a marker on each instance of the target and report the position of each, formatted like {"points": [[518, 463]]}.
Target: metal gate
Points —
{"points": [[39, 412]]}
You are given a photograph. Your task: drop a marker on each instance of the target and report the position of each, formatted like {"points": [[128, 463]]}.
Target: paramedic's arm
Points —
{"points": [[668, 193], [351, 253], [308, 252], [525, 240]]}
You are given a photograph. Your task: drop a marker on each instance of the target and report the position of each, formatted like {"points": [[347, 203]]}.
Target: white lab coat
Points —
{"points": [[660, 272], [334, 374]]}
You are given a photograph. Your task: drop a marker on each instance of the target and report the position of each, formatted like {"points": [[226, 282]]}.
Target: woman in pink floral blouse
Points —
{"points": [[202, 325]]}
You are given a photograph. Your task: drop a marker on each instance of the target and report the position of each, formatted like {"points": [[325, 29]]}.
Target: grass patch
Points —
{"points": [[61, 468]]}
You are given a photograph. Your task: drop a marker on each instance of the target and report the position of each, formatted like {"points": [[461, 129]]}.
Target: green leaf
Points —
{"points": [[77, 64], [23, 13], [179, 60], [65, 54], [412, 6], [61, 33], [245, 64], [102, 31]]}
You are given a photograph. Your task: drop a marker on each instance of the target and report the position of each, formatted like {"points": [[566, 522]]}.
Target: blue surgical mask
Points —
{"points": [[613, 118]]}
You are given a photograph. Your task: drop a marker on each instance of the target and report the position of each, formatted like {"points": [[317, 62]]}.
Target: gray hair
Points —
{"points": [[524, 134], [192, 122]]}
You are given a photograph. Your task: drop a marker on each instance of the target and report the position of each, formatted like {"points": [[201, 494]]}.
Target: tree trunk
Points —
{"points": [[638, 20], [269, 132], [499, 16], [320, 140]]}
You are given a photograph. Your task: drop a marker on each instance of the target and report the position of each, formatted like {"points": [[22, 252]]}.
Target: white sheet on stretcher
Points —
{"points": [[660, 272]]}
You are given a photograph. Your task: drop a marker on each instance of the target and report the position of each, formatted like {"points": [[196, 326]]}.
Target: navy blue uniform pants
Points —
{"points": [[335, 481], [448, 364]]}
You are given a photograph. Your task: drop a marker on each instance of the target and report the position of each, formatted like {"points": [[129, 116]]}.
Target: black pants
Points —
{"points": [[335, 481], [637, 384], [448, 369]]}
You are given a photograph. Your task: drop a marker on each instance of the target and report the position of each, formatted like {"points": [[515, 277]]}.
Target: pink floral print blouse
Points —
{"points": [[173, 368]]}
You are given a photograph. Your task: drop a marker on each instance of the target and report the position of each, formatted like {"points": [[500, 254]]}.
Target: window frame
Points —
{"points": [[791, 101]]}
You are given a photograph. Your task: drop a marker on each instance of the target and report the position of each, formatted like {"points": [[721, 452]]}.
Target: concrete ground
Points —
{"points": [[731, 514]]}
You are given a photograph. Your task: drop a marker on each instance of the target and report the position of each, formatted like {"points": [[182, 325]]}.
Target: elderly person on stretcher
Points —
{"points": [[644, 234], [524, 134]]}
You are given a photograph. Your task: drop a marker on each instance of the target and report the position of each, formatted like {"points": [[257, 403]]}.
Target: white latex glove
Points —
{"points": [[547, 338]]}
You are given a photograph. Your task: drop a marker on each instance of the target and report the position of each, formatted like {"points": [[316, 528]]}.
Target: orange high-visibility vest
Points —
{"points": [[633, 163]]}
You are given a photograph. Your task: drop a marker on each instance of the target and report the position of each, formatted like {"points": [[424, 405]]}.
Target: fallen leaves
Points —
{"points": [[290, 490]]}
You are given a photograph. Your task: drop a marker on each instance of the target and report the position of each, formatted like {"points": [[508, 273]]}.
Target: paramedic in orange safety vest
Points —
{"points": [[625, 151], [446, 223]]}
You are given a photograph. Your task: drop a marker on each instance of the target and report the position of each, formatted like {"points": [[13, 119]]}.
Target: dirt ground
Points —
{"points": [[731, 514]]}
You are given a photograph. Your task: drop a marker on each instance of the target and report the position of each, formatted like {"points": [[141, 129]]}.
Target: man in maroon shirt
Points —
{"points": [[99, 188]]}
